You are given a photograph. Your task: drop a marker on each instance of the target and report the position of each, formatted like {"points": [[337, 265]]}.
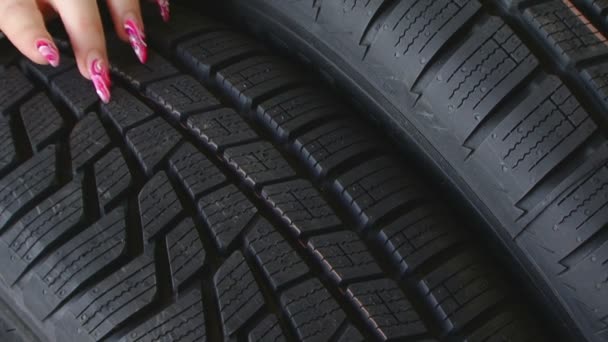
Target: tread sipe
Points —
{"points": [[507, 99], [223, 195]]}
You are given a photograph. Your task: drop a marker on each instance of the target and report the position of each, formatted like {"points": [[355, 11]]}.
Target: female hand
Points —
{"points": [[22, 21]]}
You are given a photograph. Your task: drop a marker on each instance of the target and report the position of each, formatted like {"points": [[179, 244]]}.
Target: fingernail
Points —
{"points": [[164, 9], [137, 40], [100, 76], [49, 51]]}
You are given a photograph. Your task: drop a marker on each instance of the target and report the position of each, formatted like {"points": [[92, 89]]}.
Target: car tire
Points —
{"points": [[223, 194], [505, 100]]}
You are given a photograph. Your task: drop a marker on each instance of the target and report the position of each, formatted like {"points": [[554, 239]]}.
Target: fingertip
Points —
{"points": [[128, 22], [137, 39], [23, 24], [165, 9], [48, 51], [119, 28], [99, 73]]}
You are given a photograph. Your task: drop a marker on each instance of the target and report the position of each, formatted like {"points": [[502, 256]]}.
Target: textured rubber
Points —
{"points": [[242, 203], [8, 333], [507, 98]]}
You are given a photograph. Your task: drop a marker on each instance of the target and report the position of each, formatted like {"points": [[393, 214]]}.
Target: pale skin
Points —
{"points": [[23, 23]]}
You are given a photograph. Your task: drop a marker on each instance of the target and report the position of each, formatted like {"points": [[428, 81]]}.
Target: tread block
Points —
{"points": [[351, 334], [413, 239], [238, 295], [126, 67], [41, 119], [387, 308], [112, 176], [195, 171], [415, 33], [259, 162], [356, 15], [596, 77], [393, 201], [8, 154], [13, 87], [186, 253], [593, 268], [375, 188], [158, 205], [182, 95], [330, 145], [125, 110], [183, 321], [279, 262], [571, 226], [124, 293], [250, 80], [46, 73], [294, 109], [473, 84], [345, 256], [41, 227], [220, 128], [75, 91], [183, 24], [301, 206], [569, 33], [595, 7], [26, 183], [68, 268], [536, 137], [312, 311], [9, 333], [267, 330], [227, 212], [87, 140], [151, 142], [209, 51], [463, 289], [308, 9], [507, 327]]}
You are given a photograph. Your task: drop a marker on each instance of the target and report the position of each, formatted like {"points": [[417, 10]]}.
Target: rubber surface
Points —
{"points": [[10, 332], [509, 100], [223, 195]]}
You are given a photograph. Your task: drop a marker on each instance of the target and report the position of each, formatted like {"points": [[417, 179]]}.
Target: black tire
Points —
{"points": [[166, 215], [509, 101]]}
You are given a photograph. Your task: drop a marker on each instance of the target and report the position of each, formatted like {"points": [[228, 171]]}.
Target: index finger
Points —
{"points": [[22, 23]]}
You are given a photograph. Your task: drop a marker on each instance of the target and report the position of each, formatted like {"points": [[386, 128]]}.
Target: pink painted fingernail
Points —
{"points": [[137, 40], [164, 9], [100, 75], [49, 51]]}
